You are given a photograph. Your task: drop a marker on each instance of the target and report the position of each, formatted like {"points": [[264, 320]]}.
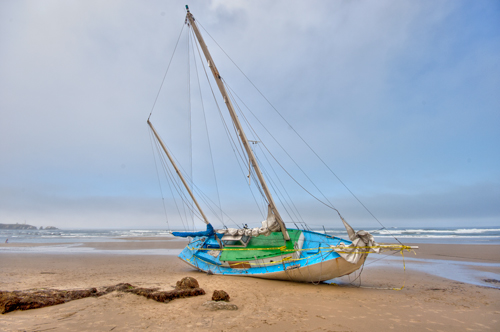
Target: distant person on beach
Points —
{"points": [[7, 241]]}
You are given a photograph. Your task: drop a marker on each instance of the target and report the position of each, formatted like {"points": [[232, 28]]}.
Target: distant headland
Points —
{"points": [[24, 226]]}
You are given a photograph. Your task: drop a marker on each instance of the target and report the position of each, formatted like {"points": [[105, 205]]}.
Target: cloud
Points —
{"points": [[398, 97]]}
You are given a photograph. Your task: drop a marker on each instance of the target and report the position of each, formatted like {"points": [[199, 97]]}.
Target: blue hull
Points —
{"points": [[315, 261]]}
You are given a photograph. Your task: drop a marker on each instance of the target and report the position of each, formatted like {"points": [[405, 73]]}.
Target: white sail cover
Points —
{"points": [[269, 225], [362, 243]]}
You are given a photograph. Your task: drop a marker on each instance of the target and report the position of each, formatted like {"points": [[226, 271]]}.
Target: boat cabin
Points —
{"points": [[240, 241]]}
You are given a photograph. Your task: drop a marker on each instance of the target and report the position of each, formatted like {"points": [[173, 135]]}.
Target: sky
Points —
{"points": [[401, 99]]}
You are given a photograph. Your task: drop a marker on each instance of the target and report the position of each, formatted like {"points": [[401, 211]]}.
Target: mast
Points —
{"points": [[236, 121], [205, 220]]}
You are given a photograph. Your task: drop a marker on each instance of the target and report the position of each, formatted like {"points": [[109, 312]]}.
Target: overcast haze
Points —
{"points": [[400, 98]]}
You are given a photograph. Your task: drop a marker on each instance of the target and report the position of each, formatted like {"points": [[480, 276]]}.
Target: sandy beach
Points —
{"points": [[428, 302]]}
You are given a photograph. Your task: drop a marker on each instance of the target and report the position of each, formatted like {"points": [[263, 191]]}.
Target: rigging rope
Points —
{"points": [[190, 118], [231, 91], [180, 191], [208, 136], [330, 205], [251, 128], [293, 129], [180, 188], [252, 173], [167, 175], [158, 176], [275, 188], [166, 71], [294, 209], [227, 131], [279, 144]]}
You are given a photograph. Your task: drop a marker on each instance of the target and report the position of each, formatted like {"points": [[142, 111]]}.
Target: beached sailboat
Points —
{"points": [[271, 251]]}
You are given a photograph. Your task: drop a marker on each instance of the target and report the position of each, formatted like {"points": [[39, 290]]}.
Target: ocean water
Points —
{"points": [[76, 235], [462, 235], [458, 235]]}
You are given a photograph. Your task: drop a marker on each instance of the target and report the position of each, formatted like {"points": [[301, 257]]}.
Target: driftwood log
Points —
{"points": [[33, 299]]}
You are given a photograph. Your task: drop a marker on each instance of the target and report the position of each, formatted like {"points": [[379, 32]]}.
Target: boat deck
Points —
{"points": [[261, 247]]}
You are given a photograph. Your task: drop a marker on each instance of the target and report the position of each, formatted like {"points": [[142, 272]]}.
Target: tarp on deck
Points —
{"points": [[269, 225], [210, 231]]}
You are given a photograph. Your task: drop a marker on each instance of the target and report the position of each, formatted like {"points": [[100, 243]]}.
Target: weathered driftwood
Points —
{"points": [[33, 299]]}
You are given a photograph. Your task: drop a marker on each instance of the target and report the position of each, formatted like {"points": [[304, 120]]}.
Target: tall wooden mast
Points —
{"points": [[205, 220], [236, 121]]}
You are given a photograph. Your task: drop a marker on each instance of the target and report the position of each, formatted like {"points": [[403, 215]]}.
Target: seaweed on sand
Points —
{"points": [[39, 298]]}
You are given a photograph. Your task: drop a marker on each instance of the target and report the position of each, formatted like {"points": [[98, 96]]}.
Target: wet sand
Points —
{"points": [[454, 252], [427, 303]]}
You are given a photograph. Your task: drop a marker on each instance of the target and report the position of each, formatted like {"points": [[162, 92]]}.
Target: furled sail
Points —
{"points": [[269, 225]]}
